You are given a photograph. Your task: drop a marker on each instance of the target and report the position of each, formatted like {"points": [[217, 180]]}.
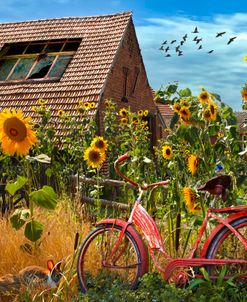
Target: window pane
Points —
{"points": [[54, 47], [71, 46], [59, 67], [5, 67], [22, 69], [34, 48], [42, 67], [16, 49]]}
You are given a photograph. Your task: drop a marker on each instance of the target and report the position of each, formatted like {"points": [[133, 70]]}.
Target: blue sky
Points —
{"points": [[223, 71]]}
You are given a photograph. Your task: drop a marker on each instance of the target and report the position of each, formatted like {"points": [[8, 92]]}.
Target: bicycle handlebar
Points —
{"points": [[143, 187]]}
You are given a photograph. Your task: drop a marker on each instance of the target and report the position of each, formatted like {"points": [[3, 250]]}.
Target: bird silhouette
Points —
{"points": [[195, 31], [177, 48], [198, 41], [195, 39], [167, 48], [185, 37], [161, 48], [165, 42], [181, 43], [220, 34], [210, 51], [200, 47], [168, 55], [173, 41], [180, 53], [231, 40]]}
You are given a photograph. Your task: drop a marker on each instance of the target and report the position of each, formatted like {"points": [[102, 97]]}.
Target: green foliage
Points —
{"points": [[45, 197], [12, 188]]}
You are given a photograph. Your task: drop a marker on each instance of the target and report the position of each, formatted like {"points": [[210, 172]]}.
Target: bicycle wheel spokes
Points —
{"points": [[100, 267], [227, 246]]}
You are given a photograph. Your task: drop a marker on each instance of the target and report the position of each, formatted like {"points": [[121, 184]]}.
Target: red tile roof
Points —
{"points": [[84, 77]]}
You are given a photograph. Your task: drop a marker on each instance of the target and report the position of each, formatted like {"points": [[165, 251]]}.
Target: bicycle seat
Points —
{"points": [[217, 186]]}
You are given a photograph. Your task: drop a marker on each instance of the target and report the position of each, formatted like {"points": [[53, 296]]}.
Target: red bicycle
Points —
{"points": [[115, 250]]}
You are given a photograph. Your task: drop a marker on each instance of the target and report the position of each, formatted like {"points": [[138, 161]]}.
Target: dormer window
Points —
{"points": [[36, 61]]}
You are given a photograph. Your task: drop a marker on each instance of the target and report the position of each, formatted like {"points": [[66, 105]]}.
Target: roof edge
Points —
{"points": [[71, 18]]}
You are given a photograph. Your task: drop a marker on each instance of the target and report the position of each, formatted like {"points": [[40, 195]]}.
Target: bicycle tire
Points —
{"points": [[225, 245], [90, 272]]}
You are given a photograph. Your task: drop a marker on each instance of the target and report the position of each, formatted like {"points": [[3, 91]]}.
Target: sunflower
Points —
{"points": [[123, 112], [42, 101], [145, 112], [213, 110], [135, 121], [193, 163], [124, 120], [92, 105], [100, 143], [184, 113], [207, 114], [204, 97], [184, 103], [176, 107], [16, 133], [94, 157], [86, 105], [140, 113], [60, 113], [167, 152], [107, 104], [190, 200], [244, 94]]}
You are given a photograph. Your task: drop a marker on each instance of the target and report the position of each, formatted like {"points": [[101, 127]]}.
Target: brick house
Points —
{"points": [[70, 59]]}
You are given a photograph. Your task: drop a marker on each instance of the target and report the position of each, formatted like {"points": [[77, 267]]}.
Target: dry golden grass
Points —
{"points": [[60, 227]]}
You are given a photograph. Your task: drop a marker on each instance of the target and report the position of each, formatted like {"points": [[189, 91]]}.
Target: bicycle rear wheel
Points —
{"points": [[97, 268], [225, 245]]}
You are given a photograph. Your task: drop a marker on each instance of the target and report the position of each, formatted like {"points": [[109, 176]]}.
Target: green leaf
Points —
{"points": [[13, 187], [174, 120], [19, 218], [194, 283], [33, 230], [45, 197], [172, 88], [48, 172], [186, 92]]}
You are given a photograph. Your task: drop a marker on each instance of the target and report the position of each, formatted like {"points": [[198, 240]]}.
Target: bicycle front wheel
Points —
{"points": [[225, 245], [99, 267]]}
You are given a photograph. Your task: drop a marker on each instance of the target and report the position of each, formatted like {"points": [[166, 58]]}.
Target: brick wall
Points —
{"points": [[127, 81]]}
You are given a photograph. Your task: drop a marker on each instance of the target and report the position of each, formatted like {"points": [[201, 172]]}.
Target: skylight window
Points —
{"points": [[39, 60]]}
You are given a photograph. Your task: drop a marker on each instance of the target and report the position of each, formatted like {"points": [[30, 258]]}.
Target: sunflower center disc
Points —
{"points": [[15, 129]]}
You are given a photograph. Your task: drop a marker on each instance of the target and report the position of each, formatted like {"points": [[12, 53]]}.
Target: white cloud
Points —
{"points": [[222, 72]]}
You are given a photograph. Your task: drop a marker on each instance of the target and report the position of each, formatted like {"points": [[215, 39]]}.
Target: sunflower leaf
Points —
{"points": [[19, 218], [13, 187], [33, 230], [45, 197]]}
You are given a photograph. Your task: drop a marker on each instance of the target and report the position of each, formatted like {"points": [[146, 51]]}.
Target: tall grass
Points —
{"points": [[60, 227]]}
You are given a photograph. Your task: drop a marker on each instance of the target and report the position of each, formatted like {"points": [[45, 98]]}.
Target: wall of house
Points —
{"points": [[127, 82]]}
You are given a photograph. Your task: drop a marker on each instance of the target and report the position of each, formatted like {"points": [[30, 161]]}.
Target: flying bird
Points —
{"points": [[198, 41], [161, 48], [195, 31], [210, 51], [181, 43], [220, 34], [180, 53], [185, 37], [165, 42], [168, 55], [177, 48], [200, 47], [173, 41], [167, 48], [231, 40], [195, 39]]}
